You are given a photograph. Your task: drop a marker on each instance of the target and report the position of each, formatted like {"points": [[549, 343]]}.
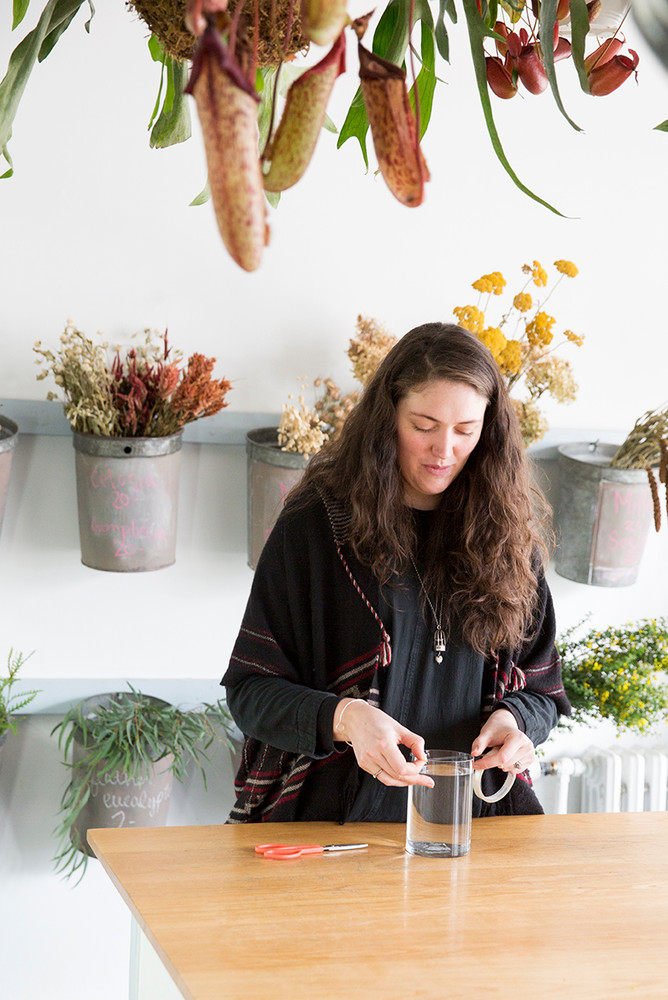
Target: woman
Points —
{"points": [[399, 602]]}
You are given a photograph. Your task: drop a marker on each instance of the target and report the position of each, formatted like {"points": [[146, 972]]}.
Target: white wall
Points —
{"points": [[96, 226]]}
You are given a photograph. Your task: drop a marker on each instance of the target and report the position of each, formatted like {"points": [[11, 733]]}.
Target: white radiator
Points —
{"points": [[629, 780]]}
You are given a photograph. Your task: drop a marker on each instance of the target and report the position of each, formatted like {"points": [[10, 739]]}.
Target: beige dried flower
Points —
{"points": [[368, 349], [305, 430], [300, 429]]}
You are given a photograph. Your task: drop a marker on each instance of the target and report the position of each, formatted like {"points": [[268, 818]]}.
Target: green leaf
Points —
{"points": [[203, 196], [55, 18], [356, 125], [426, 79], [390, 39], [156, 50], [442, 40], [173, 123], [19, 12], [548, 17], [663, 127], [579, 32], [477, 32], [53, 36]]}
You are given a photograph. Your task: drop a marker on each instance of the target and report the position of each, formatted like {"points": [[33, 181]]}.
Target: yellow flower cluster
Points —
{"points": [[493, 283], [618, 673], [525, 355]]}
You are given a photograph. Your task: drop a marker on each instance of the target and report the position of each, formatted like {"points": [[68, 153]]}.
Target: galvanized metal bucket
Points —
{"points": [[115, 799], [603, 517], [127, 496], [271, 474], [9, 433]]}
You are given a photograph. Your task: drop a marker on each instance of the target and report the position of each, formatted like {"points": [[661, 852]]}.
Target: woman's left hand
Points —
{"points": [[514, 750]]}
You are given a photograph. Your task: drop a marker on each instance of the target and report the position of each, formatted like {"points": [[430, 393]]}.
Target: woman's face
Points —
{"points": [[438, 426]]}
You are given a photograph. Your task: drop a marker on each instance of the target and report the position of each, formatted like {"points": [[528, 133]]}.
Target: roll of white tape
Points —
{"points": [[505, 787]]}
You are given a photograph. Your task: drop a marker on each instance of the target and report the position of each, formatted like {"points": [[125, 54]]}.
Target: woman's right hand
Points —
{"points": [[375, 737]]}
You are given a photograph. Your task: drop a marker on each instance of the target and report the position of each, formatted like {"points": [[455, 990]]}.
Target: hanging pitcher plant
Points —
{"points": [[235, 57]]}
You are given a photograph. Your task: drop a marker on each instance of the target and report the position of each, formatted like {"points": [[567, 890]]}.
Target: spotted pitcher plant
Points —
{"points": [[234, 57], [223, 85]]}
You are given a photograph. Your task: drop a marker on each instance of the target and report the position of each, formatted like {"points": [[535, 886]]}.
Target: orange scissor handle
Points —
{"points": [[284, 852]]}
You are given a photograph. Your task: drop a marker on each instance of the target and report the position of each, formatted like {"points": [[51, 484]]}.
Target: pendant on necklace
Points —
{"points": [[439, 644]]}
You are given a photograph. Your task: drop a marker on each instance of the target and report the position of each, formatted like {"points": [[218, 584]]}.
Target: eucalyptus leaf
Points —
{"points": [[477, 33], [56, 14], [663, 127], [548, 18]]}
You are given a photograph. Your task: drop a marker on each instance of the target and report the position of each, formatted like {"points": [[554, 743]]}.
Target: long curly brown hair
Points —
{"points": [[487, 533]]}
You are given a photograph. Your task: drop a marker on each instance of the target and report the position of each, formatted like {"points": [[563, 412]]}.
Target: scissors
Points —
{"points": [[285, 852]]}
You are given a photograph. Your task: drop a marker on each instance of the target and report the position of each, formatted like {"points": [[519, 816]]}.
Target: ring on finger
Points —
{"points": [[518, 766], [379, 771]]}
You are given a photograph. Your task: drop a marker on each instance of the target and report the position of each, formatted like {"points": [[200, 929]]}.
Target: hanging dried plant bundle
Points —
{"points": [[656, 503], [642, 448], [645, 447], [166, 20]]}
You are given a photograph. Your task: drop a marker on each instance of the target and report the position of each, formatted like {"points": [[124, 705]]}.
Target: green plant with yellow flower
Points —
{"points": [[617, 673], [523, 342]]}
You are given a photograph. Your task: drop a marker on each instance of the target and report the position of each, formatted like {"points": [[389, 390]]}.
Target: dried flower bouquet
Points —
{"points": [[522, 343], [305, 430], [134, 392]]}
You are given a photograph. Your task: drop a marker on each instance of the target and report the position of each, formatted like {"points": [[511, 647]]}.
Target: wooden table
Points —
{"points": [[572, 907]]}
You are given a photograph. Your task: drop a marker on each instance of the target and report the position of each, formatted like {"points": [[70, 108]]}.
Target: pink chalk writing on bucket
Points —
{"points": [[126, 489]]}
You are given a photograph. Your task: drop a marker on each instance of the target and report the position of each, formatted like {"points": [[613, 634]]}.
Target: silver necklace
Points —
{"points": [[439, 634]]}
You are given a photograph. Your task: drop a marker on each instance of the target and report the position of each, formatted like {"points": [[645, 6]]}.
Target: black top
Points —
{"points": [[312, 634], [438, 701]]}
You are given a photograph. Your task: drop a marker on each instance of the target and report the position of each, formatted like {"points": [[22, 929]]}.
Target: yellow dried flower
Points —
{"points": [[539, 329], [526, 359], [510, 358], [566, 267], [537, 272], [470, 317], [523, 302], [492, 284], [493, 338]]}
